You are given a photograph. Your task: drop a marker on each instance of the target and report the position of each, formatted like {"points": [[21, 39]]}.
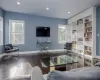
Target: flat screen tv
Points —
{"points": [[43, 32]]}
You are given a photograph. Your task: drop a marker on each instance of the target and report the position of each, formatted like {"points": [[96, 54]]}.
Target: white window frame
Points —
{"points": [[61, 42], [1, 31], [16, 33]]}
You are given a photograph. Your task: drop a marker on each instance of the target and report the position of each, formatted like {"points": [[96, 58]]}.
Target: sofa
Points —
{"points": [[85, 73]]}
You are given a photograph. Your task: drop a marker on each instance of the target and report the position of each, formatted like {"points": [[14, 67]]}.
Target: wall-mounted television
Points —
{"points": [[43, 31]]}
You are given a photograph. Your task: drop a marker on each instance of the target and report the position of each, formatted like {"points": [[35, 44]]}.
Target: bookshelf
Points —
{"points": [[84, 36], [82, 40], [88, 40]]}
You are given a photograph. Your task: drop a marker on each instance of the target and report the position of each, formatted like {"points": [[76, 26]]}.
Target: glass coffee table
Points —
{"points": [[62, 62]]}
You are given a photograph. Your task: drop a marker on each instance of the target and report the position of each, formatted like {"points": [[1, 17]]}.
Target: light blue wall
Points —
{"points": [[31, 21], [1, 14], [98, 30]]}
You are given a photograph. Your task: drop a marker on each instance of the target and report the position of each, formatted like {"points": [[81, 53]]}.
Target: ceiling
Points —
{"points": [[58, 8]]}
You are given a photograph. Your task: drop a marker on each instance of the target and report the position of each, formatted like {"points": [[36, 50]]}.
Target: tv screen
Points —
{"points": [[43, 32]]}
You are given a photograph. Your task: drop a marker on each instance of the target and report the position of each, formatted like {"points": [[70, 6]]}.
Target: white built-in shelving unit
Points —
{"points": [[84, 36]]}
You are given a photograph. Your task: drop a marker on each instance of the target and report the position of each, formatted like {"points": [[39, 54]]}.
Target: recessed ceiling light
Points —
{"points": [[68, 12], [18, 3], [47, 8]]}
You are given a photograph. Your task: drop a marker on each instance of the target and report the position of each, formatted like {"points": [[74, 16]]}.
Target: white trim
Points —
{"points": [[61, 25], [23, 30], [94, 31], [1, 31], [81, 15], [63, 42], [88, 56]]}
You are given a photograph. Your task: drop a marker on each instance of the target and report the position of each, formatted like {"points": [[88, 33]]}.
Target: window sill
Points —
{"points": [[61, 42]]}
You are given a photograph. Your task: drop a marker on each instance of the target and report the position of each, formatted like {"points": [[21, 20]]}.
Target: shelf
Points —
{"points": [[88, 22], [88, 27], [88, 56], [88, 63], [80, 25], [88, 50], [81, 54], [88, 32]]}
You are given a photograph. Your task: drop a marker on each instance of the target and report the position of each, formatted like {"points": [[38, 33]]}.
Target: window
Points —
{"points": [[61, 34], [1, 31], [16, 32]]}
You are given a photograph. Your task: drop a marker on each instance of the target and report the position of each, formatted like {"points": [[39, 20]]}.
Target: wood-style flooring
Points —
{"points": [[8, 67]]}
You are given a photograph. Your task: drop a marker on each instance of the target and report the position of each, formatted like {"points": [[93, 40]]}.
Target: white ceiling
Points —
{"points": [[58, 8]]}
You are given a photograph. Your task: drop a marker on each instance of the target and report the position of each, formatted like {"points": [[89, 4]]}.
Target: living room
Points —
{"points": [[41, 37]]}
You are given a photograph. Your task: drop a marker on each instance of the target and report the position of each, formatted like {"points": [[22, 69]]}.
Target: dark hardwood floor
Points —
{"points": [[12, 63], [19, 66]]}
